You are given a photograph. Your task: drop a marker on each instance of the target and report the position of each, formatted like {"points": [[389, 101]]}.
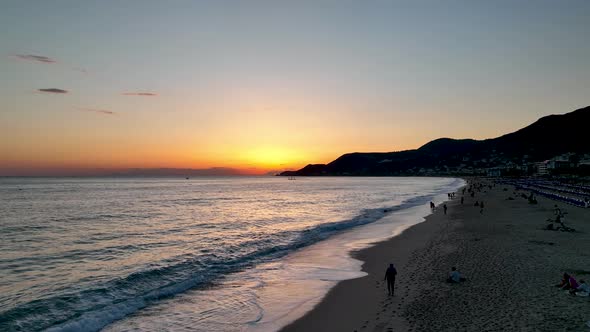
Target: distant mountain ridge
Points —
{"points": [[547, 137]]}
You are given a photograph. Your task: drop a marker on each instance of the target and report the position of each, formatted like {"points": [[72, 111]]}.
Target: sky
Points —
{"points": [[274, 85]]}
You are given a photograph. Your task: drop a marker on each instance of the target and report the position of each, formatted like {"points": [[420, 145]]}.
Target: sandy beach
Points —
{"points": [[511, 264]]}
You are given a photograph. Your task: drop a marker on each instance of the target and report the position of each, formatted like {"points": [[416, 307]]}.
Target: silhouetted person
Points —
{"points": [[431, 205], [390, 274], [557, 210], [445, 208], [476, 203], [462, 199]]}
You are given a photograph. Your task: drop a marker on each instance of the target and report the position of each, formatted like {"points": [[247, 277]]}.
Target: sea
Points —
{"points": [[198, 254]]}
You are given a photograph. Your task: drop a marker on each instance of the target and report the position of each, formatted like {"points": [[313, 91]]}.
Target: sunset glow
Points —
{"points": [[268, 86]]}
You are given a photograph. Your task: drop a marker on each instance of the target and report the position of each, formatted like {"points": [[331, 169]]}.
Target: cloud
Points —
{"points": [[44, 59], [143, 94], [105, 112], [35, 58], [52, 90]]}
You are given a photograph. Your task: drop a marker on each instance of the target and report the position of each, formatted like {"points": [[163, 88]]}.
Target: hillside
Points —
{"points": [[547, 137]]}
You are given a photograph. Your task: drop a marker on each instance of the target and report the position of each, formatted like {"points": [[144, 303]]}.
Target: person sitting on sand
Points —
{"points": [[455, 276], [573, 284], [390, 274], [582, 290], [570, 282], [476, 203], [564, 280]]}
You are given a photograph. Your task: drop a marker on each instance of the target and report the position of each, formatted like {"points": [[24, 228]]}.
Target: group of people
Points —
{"points": [[479, 205], [454, 276], [432, 207], [474, 187], [568, 282]]}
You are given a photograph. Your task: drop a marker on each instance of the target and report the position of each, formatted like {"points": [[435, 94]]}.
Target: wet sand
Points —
{"points": [[510, 262]]}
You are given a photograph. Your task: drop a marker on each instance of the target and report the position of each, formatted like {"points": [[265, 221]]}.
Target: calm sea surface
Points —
{"points": [[85, 254]]}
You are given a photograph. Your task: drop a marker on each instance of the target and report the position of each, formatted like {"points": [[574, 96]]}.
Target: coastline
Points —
{"points": [[510, 263]]}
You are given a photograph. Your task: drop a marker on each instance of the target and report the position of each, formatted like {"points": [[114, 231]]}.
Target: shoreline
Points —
{"points": [[335, 310], [499, 251], [332, 261]]}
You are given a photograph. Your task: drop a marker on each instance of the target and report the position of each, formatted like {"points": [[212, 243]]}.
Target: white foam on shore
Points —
{"points": [[322, 265], [274, 294]]}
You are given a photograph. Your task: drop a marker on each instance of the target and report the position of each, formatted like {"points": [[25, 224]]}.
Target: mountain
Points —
{"points": [[546, 138]]}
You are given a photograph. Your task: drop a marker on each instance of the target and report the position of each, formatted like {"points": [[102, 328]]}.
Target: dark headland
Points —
{"points": [[558, 141]]}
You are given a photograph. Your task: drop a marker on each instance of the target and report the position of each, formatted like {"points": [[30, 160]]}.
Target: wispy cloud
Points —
{"points": [[52, 90], [143, 94], [35, 58], [46, 60], [99, 111]]}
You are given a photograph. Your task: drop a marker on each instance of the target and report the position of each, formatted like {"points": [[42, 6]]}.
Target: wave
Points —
{"points": [[93, 309]]}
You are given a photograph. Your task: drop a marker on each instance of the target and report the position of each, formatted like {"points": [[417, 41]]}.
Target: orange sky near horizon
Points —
{"points": [[253, 139]]}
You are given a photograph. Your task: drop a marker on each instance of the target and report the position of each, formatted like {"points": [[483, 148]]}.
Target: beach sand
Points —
{"points": [[511, 265]]}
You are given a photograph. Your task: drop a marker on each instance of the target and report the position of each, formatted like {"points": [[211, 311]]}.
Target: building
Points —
{"points": [[556, 164], [542, 168], [495, 172]]}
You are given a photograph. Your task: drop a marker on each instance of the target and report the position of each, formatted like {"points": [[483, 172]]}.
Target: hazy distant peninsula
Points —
{"points": [[563, 138]]}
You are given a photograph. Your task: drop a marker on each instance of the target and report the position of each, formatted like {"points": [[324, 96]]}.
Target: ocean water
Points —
{"points": [[223, 254]]}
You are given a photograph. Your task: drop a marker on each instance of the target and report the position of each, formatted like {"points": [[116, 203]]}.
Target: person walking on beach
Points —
{"points": [[445, 208], [390, 274], [462, 199]]}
